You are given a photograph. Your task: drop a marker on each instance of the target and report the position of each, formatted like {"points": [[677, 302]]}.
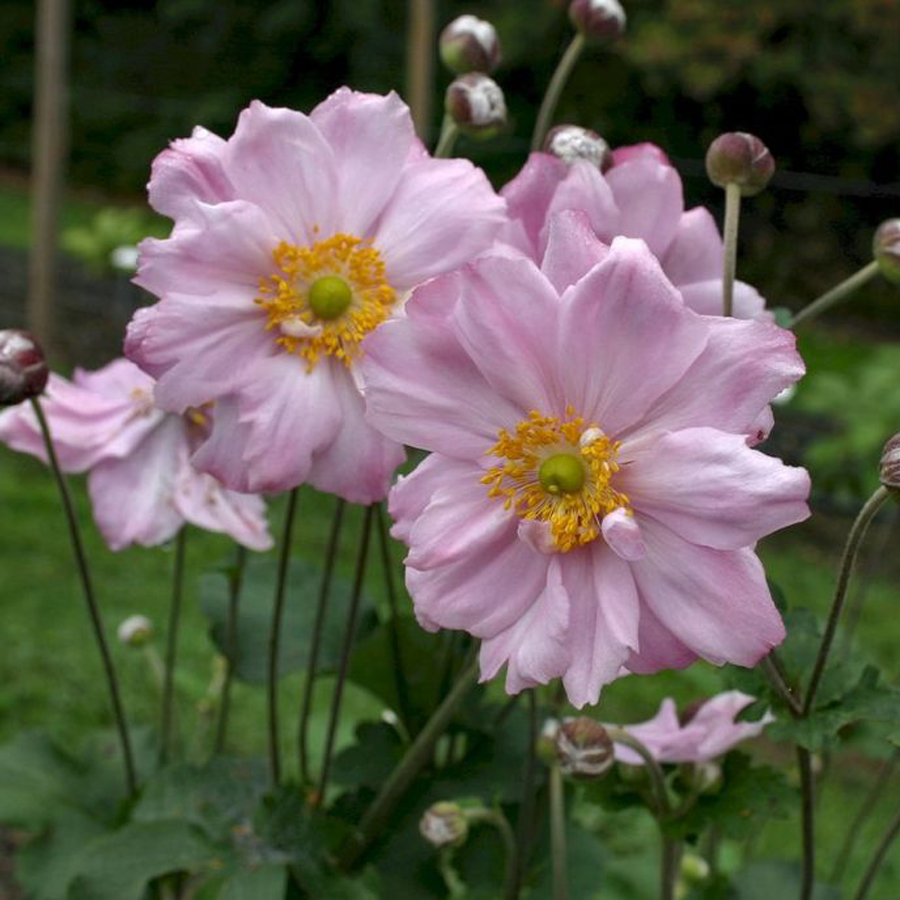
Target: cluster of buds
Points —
{"points": [[598, 20], [476, 105], [741, 159], [23, 369], [572, 142], [886, 249]]}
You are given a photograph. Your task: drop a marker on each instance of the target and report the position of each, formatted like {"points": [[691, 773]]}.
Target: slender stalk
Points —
{"points": [[854, 539], [808, 823], [865, 810], [555, 89], [91, 600], [344, 663], [871, 872], [774, 672], [168, 703], [416, 757], [496, 818], [836, 294], [447, 140], [275, 637], [669, 862], [657, 779], [732, 223], [316, 640], [235, 582], [558, 833], [526, 810]]}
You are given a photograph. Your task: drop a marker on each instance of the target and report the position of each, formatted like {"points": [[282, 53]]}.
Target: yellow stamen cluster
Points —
{"points": [[285, 297], [574, 516]]}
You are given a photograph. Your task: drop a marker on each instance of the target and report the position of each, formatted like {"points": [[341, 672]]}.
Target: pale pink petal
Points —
{"points": [[658, 648], [656, 734], [716, 602], [650, 201], [370, 137], [761, 426], [116, 380], [537, 535], [222, 452], [709, 487], [443, 213], [720, 731], [705, 297], [585, 188], [623, 534], [625, 338], [572, 249], [640, 151], [695, 252], [528, 197]]}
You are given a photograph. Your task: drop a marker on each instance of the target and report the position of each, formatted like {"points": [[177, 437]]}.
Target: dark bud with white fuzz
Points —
{"points": [[741, 159], [23, 369], [583, 748], [469, 44], [444, 825], [572, 142], [889, 468], [598, 20], [886, 249], [476, 104]]}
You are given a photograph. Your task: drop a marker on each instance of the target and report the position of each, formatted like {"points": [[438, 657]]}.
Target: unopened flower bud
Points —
{"points": [[694, 869], [476, 104], [469, 44], [135, 631], [600, 20], [23, 369], [741, 159], [886, 249], [572, 142], [583, 748], [889, 468], [444, 824]]}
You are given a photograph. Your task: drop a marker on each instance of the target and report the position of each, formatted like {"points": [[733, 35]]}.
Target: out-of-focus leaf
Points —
{"points": [[775, 879], [267, 883], [371, 759]]}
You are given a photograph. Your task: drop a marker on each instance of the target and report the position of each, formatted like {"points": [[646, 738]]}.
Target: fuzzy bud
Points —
{"points": [[23, 369], [572, 142], [889, 468], [599, 20], [444, 824], [886, 249], [135, 631], [469, 44], [476, 104], [583, 748], [694, 869], [742, 159]]}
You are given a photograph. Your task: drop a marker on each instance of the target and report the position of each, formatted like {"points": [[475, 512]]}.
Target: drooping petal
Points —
{"points": [[695, 252], [656, 734], [623, 534], [572, 249], [658, 648], [681, 478], [412, 493]]}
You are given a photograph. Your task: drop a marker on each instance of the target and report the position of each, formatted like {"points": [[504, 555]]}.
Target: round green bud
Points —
{"points": [[329, 297], [741, 159], [886, 249], [562, 473]]}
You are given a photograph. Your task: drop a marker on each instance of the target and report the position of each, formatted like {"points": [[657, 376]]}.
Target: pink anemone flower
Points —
{"points": [[591, 503], [710, 732], [142, 485], [293, 240], [640, 196]]}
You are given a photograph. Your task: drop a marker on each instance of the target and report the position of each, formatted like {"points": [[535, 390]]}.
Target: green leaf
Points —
{"points": [[255, 616], [371, 759], [775, 879], [267, 883]]}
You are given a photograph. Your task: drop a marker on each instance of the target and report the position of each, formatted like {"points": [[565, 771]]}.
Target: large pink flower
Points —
{"points": [[640, 196], [142, 485], [592, 501], [293, 240], [710, 732]]}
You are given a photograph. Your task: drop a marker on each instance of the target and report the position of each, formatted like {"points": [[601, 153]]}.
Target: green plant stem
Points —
{"points": [[732, 224], [836, 294], [865, 810], [657, 779], [669, 862], [871, 872], [346, 648], [773, 670], [168, 702], [808, 822], [526, 810], [316, 639], [447, 140], [555, 89], [275, 637], [235, 582], [558, 833], [854, 539], [84, 573], [416, 757], [496, 818]]}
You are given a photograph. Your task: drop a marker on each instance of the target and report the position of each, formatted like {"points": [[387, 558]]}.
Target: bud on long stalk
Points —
{"points": [[23, 369], [470, 44], [572, 142]]}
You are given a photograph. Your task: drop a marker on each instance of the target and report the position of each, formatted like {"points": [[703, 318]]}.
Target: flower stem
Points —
{"points": [[620, 736], [235, 582], [526, 810], [836, 294], [873, 867], [808, 822], [93, 609], [558, 833], [416, 757], [496, 818], [773, 670], [854, 539], [316, 640], [275, 636], [344, 663], [669, 862], [447, 140], [732, 223], [555, 89], [165, 730]]}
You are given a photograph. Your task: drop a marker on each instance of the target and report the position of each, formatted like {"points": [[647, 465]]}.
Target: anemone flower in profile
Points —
{"points": [[635, 193], [293, 240], [142, 486], [591, 503]]}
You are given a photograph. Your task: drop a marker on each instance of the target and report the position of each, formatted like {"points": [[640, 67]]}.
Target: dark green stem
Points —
{"points": [[558, 834], [499, 821], [669, 862], [235, 582], [168, 703], [836, 294], [275, 638], [872, 869], [657, 779], [774, 671], [526, 810], [84, 572], [808, 822]]}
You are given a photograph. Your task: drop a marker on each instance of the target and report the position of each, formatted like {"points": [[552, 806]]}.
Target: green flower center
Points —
{"points": [[562, 473], [329, 297]]}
